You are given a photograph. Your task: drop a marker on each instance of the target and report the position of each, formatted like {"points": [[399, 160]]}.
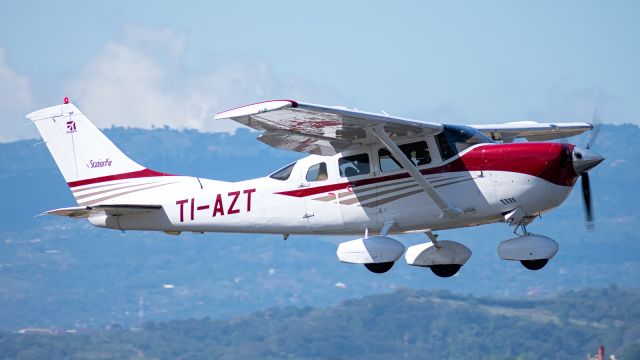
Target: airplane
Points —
{"points": [[367, 174]]}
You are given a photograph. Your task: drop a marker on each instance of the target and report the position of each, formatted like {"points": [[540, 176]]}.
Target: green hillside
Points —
{"points": [[406, 324]]}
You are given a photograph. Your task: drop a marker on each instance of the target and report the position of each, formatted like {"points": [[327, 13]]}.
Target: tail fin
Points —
{"points": [[82, 152], [78, 147], [85, 156]]}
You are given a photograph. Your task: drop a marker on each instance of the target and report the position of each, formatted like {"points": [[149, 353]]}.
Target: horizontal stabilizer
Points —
{"points": [[87, 211]]}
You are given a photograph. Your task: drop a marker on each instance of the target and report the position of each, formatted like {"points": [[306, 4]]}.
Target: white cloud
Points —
{"points": [[165, 41], [142, 80], [15, 102]]}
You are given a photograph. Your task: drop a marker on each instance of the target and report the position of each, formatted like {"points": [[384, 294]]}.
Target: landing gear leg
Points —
{"points": [[433, 237], [524, 229]]}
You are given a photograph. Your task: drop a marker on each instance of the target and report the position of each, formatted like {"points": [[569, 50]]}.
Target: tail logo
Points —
{"points": [[71, 127], [99, 163]]}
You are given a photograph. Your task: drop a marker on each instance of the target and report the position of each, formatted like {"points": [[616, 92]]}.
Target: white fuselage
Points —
{"points": [[332, 205]]}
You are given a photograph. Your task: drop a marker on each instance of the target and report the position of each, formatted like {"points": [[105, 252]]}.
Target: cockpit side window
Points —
{"points": [[455, 138], [354, 165], [317, 172], [446, 151], [416, 152], [284, 173]]}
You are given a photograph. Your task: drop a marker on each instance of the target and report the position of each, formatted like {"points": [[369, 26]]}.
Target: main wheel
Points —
{"points": [[379, 268], [445, 270], [534, 264]]}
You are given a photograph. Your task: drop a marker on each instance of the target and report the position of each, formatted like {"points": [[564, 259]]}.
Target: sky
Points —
{"points": [[150, 63]]}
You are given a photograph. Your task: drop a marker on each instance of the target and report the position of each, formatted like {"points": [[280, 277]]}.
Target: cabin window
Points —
{"points": [[354, 165], [317, 172], [284, 173], [416, 152], [387, 161]]}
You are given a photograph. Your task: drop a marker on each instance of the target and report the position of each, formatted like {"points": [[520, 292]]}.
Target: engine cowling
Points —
{"points": [[528, 247], [370, 250], [427, 254]]}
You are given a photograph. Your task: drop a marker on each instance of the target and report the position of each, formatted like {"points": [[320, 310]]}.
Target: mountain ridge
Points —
{"points": [[405, 323]]}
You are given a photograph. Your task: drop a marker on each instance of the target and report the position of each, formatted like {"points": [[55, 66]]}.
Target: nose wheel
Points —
{"points": [[533, 251]]}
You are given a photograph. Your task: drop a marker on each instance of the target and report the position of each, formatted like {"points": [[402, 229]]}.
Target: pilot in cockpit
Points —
{"points": [[423, 157]]}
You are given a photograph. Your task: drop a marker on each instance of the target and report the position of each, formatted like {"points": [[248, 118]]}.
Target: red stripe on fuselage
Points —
{"points": [[130, 175], [548, 161]]}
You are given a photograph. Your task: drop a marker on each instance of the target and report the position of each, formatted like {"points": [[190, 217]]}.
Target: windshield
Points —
{"points": [[455, 138], [284, 173]]}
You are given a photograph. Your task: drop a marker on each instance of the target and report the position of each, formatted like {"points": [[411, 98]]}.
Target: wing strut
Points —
{"points": [[447, 210]]}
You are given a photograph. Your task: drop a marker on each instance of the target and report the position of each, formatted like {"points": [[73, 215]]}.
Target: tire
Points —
{"points": [[445, 271], [534, 264], [379, 268]]}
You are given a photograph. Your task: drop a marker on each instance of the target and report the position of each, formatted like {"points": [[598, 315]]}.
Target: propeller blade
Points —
{"points": [[586, 196], [596, 122]]}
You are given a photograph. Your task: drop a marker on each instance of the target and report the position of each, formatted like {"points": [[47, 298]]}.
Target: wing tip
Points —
{"points": [[256, 108]]}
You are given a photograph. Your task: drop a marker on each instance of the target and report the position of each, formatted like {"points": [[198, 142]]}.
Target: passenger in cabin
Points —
{"points": [[322, 174]]}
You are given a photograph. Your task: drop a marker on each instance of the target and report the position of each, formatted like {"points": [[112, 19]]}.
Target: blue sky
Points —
{"points": [[148, 63]]}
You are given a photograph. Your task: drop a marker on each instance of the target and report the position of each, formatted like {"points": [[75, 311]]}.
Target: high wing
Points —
{"points": [[86, 211], [326, 130], [321, 130], [532, 131]]}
